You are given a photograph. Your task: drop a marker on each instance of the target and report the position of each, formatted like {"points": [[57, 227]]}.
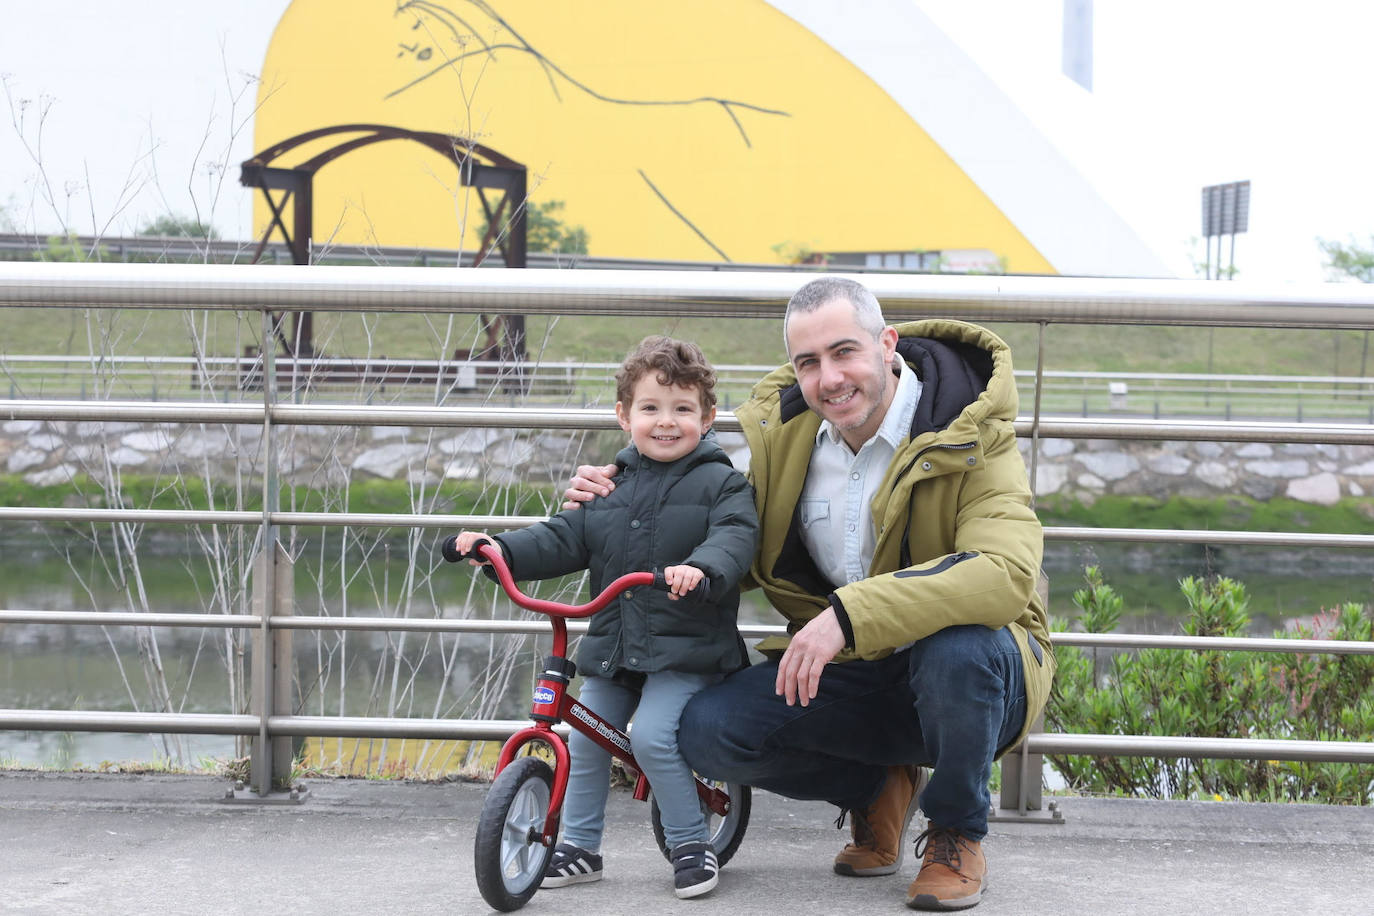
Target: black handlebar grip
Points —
{"points": [[700, 593], [450, 549]]}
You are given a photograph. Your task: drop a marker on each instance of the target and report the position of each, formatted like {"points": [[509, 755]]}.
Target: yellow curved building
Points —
{"points": [[736, 130]]}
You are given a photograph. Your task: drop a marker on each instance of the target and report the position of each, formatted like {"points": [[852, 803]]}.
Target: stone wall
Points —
{"points": [[47, 453], [51, 452], [1086, 469]]}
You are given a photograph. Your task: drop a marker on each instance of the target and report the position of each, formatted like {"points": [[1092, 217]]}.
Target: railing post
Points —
{"points": [[272, 668], [273, 591], [1022, 772], [1020, 798]]}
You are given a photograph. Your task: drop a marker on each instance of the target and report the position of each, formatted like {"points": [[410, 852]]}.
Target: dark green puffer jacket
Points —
{"points": [[697, 510]]}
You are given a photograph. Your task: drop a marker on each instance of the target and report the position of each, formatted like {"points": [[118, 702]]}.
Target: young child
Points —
{"points": [[678, 505]]}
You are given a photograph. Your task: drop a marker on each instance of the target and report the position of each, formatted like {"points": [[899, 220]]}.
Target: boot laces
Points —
{"points": [[863, 833], [939, 845]]}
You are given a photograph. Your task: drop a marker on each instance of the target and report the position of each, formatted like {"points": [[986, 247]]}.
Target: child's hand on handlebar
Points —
{"points": [[468, 541], [681, 580]]}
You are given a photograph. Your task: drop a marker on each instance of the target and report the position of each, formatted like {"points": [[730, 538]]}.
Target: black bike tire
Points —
{"points": [[491, 827], [741, 801]]}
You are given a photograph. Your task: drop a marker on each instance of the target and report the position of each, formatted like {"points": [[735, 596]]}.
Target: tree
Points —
{"points": [[171, 225], [1350, 261], [545, 230], [68, 248], [7, 221]]}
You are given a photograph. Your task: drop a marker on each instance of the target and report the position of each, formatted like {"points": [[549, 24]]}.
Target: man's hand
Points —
{"points": [[681, 580], [799, 671], [590, 482]]}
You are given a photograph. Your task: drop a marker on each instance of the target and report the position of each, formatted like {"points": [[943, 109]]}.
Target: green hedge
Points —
{"points": [[1216, 694]]}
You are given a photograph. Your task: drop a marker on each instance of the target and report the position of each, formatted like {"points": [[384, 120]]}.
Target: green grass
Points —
{"points": [[1228, 513], [1225, 351], [1260, 351]]}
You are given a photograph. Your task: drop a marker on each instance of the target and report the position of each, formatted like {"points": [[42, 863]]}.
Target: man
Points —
{"points": [[897, 538]]}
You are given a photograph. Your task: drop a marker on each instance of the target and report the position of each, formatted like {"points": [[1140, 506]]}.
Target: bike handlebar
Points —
{"points": [[486, 550]]}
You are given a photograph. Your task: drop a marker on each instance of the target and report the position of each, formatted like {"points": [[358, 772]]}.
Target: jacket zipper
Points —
{"points": [[962, 446], [951, 560]]}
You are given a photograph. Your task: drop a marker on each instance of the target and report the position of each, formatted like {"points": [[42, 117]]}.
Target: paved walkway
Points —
{"points": [[106, 844]]}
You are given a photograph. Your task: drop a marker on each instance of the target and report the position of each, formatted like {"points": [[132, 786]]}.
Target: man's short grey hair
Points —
{"points": [[823, 291]]}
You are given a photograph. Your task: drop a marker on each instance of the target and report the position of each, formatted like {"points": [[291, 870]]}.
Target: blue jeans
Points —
{"points": [[951, 701], [655, 745]]}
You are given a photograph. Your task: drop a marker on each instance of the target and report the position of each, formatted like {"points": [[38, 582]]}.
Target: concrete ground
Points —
{"points": [[112, 844]]}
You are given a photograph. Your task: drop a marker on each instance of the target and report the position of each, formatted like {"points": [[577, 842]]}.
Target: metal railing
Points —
{"points": [[1042, 301], [1300, 398]]}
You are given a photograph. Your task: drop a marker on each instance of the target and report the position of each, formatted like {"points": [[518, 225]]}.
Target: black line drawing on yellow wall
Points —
{"points": [[680, 215], [462, 32]]}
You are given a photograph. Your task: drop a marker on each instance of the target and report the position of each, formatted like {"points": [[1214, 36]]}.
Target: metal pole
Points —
{"points": [[1035, 414], [1016, 773], [260, 772]]}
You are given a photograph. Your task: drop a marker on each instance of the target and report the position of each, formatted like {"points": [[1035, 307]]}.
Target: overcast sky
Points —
{"points": [[1186, 93]]}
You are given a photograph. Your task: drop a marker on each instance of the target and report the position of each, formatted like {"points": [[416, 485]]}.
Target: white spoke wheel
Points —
{"points": [[725, 833], [509, 856]]}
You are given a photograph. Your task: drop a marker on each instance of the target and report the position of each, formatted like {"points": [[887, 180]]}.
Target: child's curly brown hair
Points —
{"points": [[677, 363]]}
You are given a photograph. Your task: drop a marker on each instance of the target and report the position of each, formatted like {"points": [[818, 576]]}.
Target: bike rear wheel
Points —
{"points": [[725, 833], [509, 854]]}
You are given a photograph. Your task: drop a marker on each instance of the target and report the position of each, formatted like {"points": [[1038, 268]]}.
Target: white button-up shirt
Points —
{"points": [[836, 515]]}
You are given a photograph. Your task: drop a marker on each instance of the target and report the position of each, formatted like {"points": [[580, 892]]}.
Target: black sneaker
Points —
{"points": [[571, 865], [695, 869]]}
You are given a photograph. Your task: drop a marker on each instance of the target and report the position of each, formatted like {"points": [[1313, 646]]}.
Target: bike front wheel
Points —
{"points": [[509, 855], [725, 833]]}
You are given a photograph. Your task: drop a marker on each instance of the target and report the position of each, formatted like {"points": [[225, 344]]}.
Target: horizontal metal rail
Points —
{"points": [[530, 627], [506, 522], [499, 729], [1214, 643], [278, 726], [603, 418], [600, 372], [1209, 536], [1085, 393], [1201, 748], [535, 627], [676, 293], [285, 519]]}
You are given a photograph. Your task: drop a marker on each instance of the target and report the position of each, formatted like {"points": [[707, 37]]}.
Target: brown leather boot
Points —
{"points": [[879, 831], [953, 875]]}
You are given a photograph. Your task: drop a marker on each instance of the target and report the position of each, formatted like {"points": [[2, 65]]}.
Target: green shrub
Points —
{"points": [[1216, 694]]}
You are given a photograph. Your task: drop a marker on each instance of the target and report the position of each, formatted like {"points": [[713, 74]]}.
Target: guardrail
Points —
{"points": [[1044, 301], [1301, 398]]}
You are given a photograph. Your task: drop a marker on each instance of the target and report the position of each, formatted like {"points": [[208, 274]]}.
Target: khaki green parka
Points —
{"points": [[957, 541]]}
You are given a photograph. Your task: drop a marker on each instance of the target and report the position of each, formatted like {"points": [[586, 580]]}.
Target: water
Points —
{"points": [[422, 675], [206, 670], [1285, 586]]}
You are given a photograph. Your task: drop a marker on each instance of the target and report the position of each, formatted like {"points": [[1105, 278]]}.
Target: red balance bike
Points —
{"points": [[519, 824]]}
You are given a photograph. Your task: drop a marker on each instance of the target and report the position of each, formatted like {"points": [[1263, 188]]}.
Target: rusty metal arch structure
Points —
{"points": [[479, 167]]}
